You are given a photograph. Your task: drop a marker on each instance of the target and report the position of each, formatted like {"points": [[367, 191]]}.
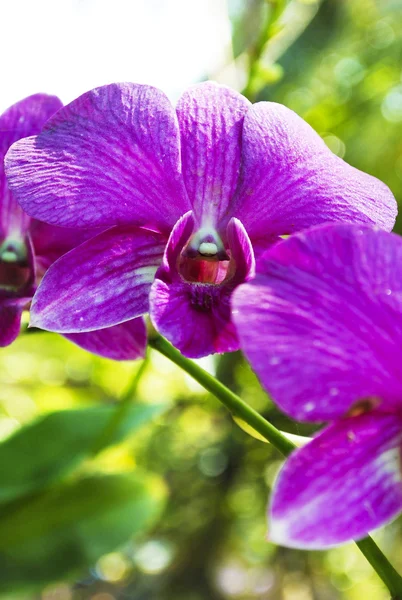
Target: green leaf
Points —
{"points": [[48, 448], [48, 536]]}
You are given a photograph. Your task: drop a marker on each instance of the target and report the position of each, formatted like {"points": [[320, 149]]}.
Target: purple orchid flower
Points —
{"points": [[190, 196], [322, 326], [28, 247]]}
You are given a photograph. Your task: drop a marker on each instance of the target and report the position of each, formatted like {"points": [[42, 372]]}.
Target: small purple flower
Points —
{"points": [[190, 196], [28, 247], [322, 326]]}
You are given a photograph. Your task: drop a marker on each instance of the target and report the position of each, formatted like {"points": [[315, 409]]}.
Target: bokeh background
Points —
{"points": [[172, 505]]}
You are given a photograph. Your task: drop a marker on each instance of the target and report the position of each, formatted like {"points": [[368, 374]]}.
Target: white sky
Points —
{"points": [[66, 47]]}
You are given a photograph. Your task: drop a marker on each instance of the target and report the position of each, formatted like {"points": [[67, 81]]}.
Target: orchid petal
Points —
{"points": [[28, 116], [51, 242], [241, 250], [290, 180], [322, 322], [10, 319], [344, 483], [194, 318], [126, 341], [103, 282], [24, 118], [111, 157], [211, 120]]}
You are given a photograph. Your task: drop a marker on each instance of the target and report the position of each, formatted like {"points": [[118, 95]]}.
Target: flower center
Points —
{"points": [[14, 266], [204, 259]]}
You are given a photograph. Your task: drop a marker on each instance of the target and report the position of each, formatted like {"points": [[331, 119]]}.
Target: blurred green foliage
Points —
{"points": [[80, 524]]}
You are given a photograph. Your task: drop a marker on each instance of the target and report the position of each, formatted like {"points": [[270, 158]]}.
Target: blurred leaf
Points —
{"points": [[50, 535], [46, 449], [246, 19]]}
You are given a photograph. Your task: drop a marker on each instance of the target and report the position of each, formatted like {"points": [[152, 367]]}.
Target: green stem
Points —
{"points": [[235, 404], [275, 9], [121, 411], [382, 566], [240, 409]]}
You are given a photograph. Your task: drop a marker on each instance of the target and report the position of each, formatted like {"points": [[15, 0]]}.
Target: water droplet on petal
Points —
{"points": [[275, 360]]}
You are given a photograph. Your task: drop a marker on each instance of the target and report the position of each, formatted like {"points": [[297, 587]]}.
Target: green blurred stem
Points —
{"points": [[121, 411], [235, 404], [382, 566], [240, 409], [275, 10]]}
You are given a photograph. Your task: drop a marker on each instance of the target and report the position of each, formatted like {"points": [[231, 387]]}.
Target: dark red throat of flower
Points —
{"points": [[13, 276], [205, 270]]}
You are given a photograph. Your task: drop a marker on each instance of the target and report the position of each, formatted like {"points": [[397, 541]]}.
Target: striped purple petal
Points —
{"points": [[340, 486], [322, 322], [103, 282], [290, 180], [111, 157], [211, 122]]}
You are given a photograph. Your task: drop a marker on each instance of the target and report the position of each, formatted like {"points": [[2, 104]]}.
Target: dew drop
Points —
{"points": [[275, 360]]}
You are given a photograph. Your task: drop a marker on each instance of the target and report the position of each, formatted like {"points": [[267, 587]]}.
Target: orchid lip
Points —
{"points": [[204, 259]]}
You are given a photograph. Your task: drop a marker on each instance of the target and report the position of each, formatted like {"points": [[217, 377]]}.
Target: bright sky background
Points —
{"points": [[66, 47]]}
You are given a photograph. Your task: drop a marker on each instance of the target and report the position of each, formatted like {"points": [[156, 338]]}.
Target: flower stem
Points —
{"points": [[235, 404], [382, 566], [240, 409]]}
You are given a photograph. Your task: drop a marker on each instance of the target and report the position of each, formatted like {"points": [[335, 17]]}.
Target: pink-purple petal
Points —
{"points": [[28, 116], [195, 318], [211, 121], [290, 180], [22, 119], [111, 157], [126, 341], [51, 242], [241, 251], [10, 319], [340, 486], [103, 282], [321, 324]]}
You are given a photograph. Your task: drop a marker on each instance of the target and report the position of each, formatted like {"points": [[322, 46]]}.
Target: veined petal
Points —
{"points": [[321, 324], [211, 121], [51, 242], [341, 485], [103, 282], [195, 316], [290, 180], [111, 157], [126, 341], [10, 319], [28, 116], [24, 118], [241, 251]]}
